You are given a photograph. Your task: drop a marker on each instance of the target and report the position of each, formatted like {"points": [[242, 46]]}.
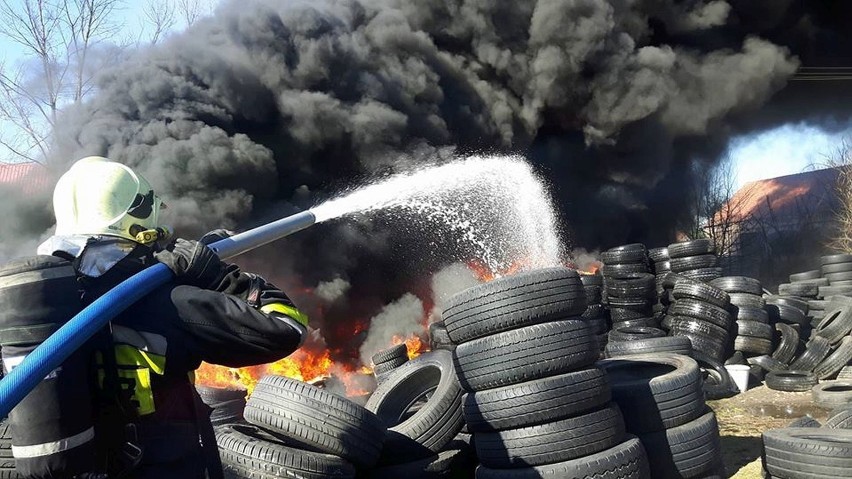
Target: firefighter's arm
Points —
{"points": [[244, 321]]}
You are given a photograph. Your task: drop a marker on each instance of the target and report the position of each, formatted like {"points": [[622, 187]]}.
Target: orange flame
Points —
{"points": [[485, 273]]}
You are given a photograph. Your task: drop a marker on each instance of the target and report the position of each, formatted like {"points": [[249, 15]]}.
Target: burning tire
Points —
{"points": [[690, 450], [807, 452], [430, 378], [513, 302], [249, 452], [525, 354], [628, 458], [439, 338], [665, 389], [387, 360], [536, 402], [552, 442], [316, 419]]}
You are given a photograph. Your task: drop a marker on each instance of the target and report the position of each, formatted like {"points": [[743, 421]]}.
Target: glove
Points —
{"points": [[216, 235], [193, 263]]}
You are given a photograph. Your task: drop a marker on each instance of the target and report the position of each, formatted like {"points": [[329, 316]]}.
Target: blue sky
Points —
{"points": [[785, 150]]}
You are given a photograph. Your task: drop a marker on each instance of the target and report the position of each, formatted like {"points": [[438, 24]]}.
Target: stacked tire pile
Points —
{"points": [[669, 416], [699, 313], [535, 403], [387, 360], [298, 430], [807, 453], [596, 314], [661, 266], [837, 269], [622, 266], [695, 259]]}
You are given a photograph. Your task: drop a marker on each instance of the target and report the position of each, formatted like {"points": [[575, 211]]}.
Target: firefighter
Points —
{"points": [[147, 420]]}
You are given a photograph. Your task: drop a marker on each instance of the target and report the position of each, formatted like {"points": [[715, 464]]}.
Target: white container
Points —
{"points": [[739, 373]]}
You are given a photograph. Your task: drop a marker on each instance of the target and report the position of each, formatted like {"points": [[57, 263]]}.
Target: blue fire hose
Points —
{"points": [[52, 352]]}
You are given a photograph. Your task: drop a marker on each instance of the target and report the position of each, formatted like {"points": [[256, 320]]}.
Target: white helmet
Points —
{"points": [[101, 197]]}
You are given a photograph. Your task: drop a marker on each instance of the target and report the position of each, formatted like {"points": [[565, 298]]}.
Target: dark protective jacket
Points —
{"points": [[241, 320]]}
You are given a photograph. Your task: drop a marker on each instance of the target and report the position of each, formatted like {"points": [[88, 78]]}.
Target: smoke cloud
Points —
{"points": [[267, 106], [402, 318]]}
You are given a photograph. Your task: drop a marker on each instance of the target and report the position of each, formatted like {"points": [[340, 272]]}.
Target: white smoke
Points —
{"points": [[402, 317]]}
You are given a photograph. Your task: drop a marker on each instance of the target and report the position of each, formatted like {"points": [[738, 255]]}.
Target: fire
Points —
{"points": [[413, 344], [303, 365], [486, 274]]}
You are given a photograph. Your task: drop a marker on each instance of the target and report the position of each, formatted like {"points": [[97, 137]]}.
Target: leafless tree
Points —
{"points": [[160, 16], [56, 38], [841, 160], [192, 10]]}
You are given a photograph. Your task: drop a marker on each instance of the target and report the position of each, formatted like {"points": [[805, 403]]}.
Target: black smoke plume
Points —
{"points": [[268, 106]]}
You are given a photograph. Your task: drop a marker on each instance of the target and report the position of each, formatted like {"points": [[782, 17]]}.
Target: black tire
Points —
{"points": [[437, 421], [840, 418], [250, 452], [624, 256], [633, 323], [619, 314], [591, 279], [786, 314], [662, 267], [689, 450], [747, 313], [594, 311], [840, 282], [623, 270], [807, 290], [228, 405], [316, 419], [703, 311], [832, 394], [788, 345], [666, 388], [817, 305], [455, 459], [634, 332], [817, 350], [513, 302], [525, 354], [706, 337], [704, 275], [688, 263], [836, 268], [658, 255], [845, 374], [804, 421], [807, 453], [835, 361], [839, 276], [791, 381], [536, 402], [665, 345], [594, 295], [701, 292], [829, 291], [641, 285], [747, 300], [767, 363], [755, 329], [835, 259], [552, 442], [718, 383], [837, 322], [7, 462], [691, 248], [806, 275], [598, 325], [751, 345], [792, 301], [381, 370], [738, 284], [392, 354], [438, 337], [624, 461]]}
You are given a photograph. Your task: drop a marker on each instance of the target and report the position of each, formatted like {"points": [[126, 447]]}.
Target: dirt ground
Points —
{"points": [[744, 417]]}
